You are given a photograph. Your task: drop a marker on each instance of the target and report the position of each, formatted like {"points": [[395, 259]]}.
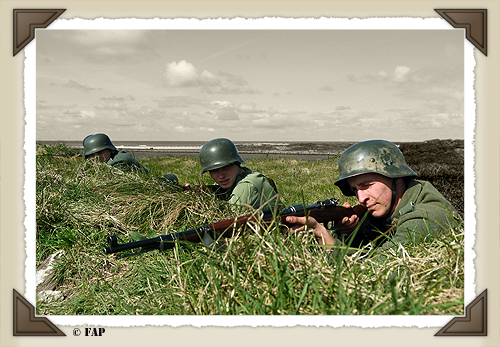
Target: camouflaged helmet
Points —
{"points": [[218, 153], [95, 143], [374, 156]]}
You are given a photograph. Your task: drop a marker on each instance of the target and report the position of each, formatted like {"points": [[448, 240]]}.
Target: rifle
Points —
{"points": [[172, 180], [323, 211]]}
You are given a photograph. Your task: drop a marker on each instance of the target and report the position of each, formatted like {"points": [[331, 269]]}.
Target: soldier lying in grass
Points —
{"points": [[241, 186], [400, 208], [100, 145]]}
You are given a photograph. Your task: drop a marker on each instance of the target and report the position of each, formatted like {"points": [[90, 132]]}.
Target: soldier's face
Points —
{"points": [[104, 155], [373, 192], [225, 176]]}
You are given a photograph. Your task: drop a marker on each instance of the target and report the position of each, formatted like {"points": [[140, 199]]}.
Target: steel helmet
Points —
{"points": [[373, 156], [218, 153], [95, 143]]}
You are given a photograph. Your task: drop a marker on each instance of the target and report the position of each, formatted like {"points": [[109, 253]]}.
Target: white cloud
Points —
{"points": [[181, 74], [80, 86], [247, 107], [227, 114], [184, 74], [104, 46], [106, 37], [208, 79], [87, 114], [382, 74], [278, 119], [401, 72], [113, 103], [225, 110], [262, 122], [222, 104], [181, 129]]}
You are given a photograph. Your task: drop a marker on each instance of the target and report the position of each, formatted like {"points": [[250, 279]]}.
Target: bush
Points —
{"points": [[441, 162]]}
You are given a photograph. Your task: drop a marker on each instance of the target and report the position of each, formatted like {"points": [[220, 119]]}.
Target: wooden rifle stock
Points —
{"points": [[322, 211]]}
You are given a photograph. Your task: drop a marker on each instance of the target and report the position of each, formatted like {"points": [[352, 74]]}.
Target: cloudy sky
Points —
{"points": [[250, 85]]}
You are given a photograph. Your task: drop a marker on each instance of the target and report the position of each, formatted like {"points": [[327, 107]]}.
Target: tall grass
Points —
{"points": [[264, 270]]}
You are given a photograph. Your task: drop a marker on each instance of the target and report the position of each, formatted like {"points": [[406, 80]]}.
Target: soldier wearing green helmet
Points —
{"points": [[241, 186], [100, 145], [401, 208]]}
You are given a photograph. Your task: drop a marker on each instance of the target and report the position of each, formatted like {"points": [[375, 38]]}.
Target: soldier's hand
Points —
{"points": [[299, 223], [188, 189], [320, 233], [347, 224]]}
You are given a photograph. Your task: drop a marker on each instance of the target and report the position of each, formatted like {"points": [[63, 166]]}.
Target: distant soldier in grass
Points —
{"points": [[241, 186], [99, 145], [401, 208]]}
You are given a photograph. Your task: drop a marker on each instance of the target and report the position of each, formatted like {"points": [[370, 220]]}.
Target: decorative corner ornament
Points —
{"points": [[473, 324], [474, 21], [27, 324], [27, 20]]}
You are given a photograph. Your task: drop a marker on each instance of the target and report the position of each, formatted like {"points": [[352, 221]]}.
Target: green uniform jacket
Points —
{"points": [[252, 189], [125, 162], [422, 211]]}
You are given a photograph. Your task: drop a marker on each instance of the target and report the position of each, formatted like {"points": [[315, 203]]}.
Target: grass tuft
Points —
{"points": [[262, 270]]}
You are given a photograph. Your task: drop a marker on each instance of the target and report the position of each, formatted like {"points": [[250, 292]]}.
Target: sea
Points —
{"points": [[247, 149]]}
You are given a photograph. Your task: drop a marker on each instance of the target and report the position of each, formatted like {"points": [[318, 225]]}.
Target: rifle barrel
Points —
{"points": [[322, 211], [161, 242]]}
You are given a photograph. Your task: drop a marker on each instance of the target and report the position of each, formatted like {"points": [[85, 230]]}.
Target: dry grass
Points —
{"points": [[263, 269]]}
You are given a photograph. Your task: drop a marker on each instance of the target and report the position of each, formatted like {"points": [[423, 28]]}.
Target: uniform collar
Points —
{"points": [[245, 173], [408, 199]]}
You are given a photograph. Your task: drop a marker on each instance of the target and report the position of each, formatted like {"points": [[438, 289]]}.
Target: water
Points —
{"points": [[247, 149]]}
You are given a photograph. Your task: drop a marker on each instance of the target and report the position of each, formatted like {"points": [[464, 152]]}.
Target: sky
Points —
{"points": [[250, 85]]}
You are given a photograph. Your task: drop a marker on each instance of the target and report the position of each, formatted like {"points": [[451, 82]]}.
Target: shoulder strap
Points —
{"points": [[271, 183]]}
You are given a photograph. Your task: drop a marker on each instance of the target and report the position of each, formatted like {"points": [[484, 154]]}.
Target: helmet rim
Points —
{"points": [[218, 153], [373, 156], [95, 143]]}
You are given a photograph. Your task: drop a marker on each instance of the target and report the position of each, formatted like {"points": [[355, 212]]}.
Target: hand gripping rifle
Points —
{"points": [[323, 211]]}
